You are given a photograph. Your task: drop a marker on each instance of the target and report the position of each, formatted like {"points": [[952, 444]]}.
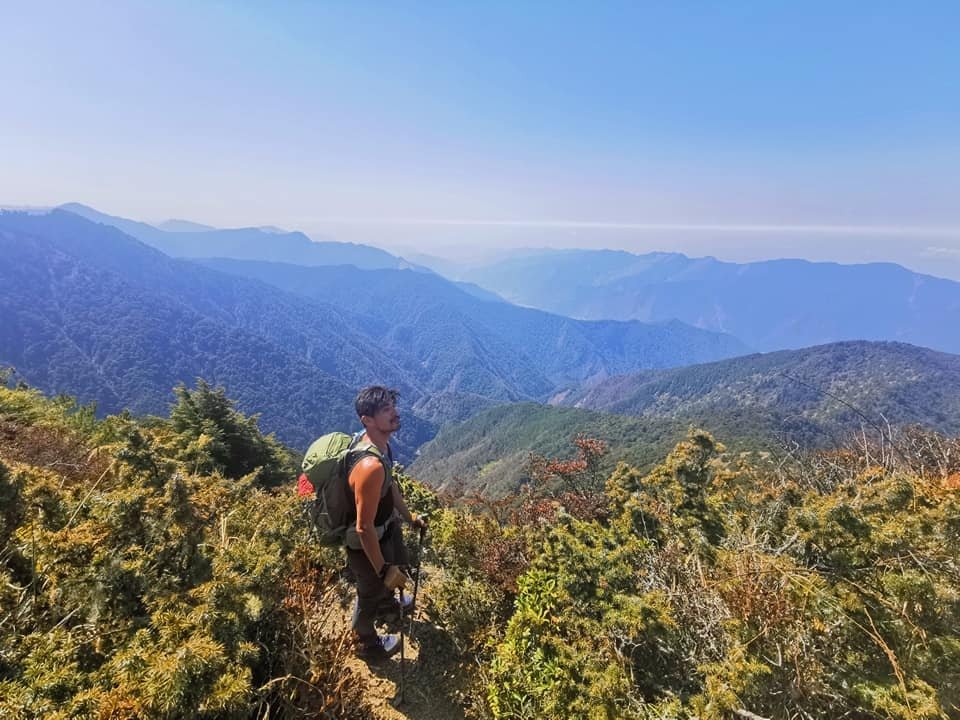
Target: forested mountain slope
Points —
{"points": [[447, 327], [342, 343], [88, 310], [817, 397], [771, 305], [809, 393], [488, 454]]}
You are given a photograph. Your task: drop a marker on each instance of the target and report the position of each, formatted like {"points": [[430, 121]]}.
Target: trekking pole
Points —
{"points": [[416, 582], [401, 696]]}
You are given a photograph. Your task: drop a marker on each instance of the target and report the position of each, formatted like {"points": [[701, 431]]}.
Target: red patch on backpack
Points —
{"points": [[305, 487]]}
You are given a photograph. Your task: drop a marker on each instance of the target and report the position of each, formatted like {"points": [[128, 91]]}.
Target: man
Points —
{"points": [[375, 549]]}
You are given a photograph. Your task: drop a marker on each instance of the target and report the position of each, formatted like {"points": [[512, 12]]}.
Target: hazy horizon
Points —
{"points": [[746, 133], [474, 242], [934, 253]]}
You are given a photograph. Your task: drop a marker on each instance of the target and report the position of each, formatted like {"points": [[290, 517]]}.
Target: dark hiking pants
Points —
{"points": [[371, 592]]}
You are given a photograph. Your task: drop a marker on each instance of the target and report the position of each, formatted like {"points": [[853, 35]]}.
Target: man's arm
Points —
{"points": [[366, 480], [400, 504]]}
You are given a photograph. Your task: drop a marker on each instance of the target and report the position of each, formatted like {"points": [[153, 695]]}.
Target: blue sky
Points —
{"points": [[739, 129]]}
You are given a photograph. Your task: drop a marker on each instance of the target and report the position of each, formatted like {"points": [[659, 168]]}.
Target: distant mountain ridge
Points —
{"points": [[813, 396], [435, 317], [172, 225], [90, 310], [185, 239], [808, 393], [771, 305]]}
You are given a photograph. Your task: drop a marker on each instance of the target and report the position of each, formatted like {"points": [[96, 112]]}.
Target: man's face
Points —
{"points": [[386, 419]]}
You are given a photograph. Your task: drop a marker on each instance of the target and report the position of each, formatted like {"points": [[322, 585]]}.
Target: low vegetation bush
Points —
{"points": [[720, 589], [149, 568], [148, 571]]}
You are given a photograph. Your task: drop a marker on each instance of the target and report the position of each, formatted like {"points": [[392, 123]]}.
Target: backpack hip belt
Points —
{"points": [[352, 539]]}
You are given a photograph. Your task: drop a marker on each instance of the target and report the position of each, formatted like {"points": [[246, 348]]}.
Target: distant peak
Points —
{"points": [[76, 207], [177, 225]]}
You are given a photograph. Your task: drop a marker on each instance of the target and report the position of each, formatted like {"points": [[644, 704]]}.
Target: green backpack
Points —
{"points": [[324, 480]]}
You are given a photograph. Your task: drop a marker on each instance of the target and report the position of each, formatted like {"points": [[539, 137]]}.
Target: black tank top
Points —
{"points": [[385, 507]]}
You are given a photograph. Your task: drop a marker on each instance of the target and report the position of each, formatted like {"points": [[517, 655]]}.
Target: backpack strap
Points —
{"points": [[358, 450]]}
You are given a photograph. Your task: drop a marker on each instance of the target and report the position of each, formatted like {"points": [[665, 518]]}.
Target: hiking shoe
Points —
{"points": [[389, 610], [385, 646]]}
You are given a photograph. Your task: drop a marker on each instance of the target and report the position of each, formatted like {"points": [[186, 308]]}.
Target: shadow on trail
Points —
{"points": [[426, 687]]}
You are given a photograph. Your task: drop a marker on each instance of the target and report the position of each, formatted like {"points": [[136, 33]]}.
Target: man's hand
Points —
{"points": [[419, 521], [393, 577]]}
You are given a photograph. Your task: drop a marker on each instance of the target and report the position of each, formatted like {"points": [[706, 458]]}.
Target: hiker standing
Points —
{"points": [[375, 549]]}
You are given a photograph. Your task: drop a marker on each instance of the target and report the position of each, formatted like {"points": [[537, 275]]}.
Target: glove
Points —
{"points": [[393, 577]]}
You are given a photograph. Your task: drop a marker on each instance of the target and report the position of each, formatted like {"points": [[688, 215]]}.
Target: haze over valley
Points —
{"points": [[258, 310]]}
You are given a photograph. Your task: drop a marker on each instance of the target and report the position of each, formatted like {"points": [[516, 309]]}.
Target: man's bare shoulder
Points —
{"points": [[367, 469]]}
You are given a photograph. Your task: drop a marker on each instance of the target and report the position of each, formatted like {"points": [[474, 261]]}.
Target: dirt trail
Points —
{"points": [[427, 680]]}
